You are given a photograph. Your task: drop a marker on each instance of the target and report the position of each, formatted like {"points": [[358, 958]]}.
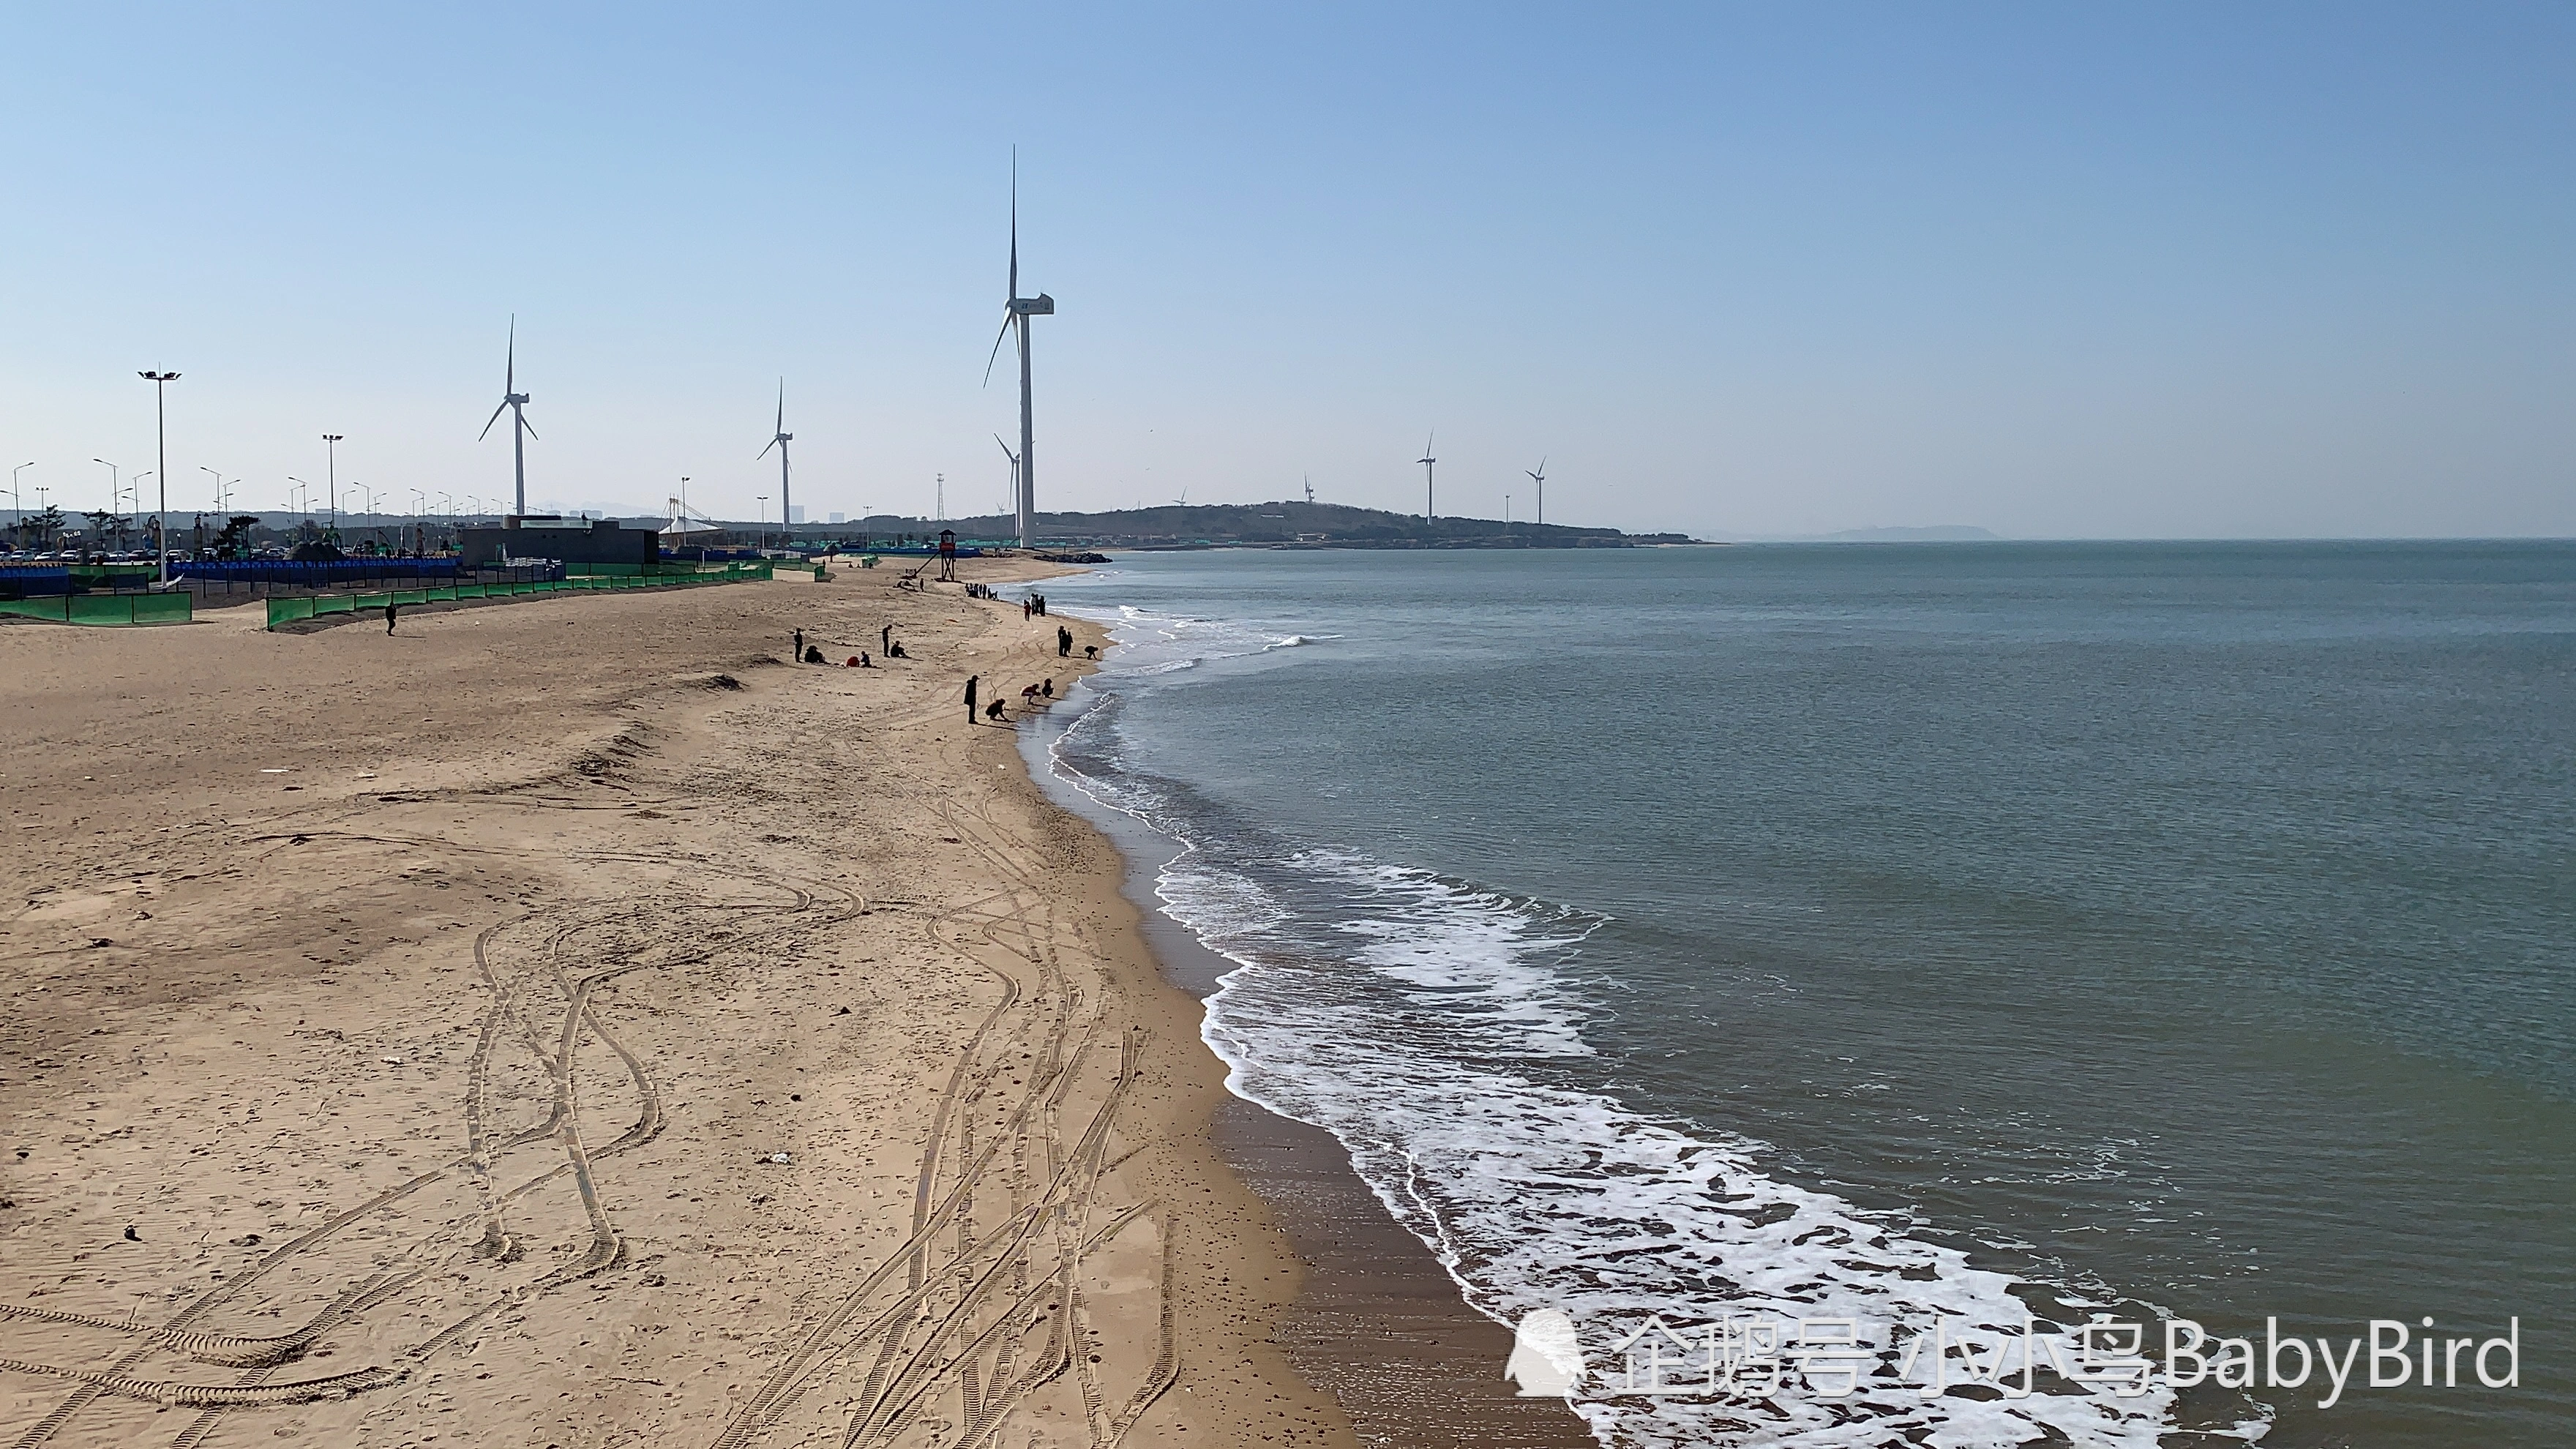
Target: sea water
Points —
{"points": [[1983, 936]]}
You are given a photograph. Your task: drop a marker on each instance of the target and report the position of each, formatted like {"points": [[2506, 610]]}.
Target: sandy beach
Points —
{"points": [[569, 1023]]}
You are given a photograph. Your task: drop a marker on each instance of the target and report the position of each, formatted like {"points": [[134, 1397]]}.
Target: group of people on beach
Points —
{"points": [[1032, 696], [800, 652]]}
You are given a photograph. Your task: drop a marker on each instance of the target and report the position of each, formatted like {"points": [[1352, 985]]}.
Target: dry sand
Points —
{"points": [[567, 1023]]}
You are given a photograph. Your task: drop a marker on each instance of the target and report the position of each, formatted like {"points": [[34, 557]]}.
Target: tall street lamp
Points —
{"points": [[763, 500], [161, 427], [307, 509], [331, 479], [16, 506]]}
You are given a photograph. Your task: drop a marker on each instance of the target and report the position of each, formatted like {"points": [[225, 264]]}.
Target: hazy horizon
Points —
{"points": [[2184, 273]]}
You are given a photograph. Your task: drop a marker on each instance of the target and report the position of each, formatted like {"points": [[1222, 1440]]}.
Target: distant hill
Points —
{"points": [[1281, 525], [1936, 533]]}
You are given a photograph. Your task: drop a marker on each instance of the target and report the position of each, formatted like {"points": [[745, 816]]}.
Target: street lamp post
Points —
{"points": [[331, 479], [307, 508], [763, 520], [161, 429], [16, 506]]}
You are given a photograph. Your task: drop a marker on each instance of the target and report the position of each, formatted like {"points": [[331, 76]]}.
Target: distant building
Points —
{"points": [[796, 513], [837, 518], [564, 540]]}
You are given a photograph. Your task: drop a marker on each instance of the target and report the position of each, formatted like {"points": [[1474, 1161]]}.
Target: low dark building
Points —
{"points": [[565, 540]]}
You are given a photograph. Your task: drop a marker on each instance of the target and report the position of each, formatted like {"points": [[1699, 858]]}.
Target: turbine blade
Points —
{"points": [[990, 358], [763, 453], [531, 427], [1015, 228], [782, 406], [510, 368], [488, 422]]}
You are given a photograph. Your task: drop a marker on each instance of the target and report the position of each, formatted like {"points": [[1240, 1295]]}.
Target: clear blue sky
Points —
{"points": [[2167, 270]]}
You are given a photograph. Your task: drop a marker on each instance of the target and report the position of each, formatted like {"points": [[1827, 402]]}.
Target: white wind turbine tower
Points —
{"points": [[779, 438], [1539, 477], [1016, 313], [520, 432], [1015, 465], [1426, 460]]}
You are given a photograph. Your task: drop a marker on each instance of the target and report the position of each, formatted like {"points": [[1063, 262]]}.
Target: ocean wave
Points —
{"points": [[1435, 1028]]}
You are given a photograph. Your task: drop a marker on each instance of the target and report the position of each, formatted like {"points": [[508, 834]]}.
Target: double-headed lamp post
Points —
{"points": [[331, 479], [161, 426]]}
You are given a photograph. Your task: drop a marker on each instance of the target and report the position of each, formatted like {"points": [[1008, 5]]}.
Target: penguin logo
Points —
{"points": [[1546, 1360]]}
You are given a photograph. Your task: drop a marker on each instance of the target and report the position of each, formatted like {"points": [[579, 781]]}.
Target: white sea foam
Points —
{"points": [[1435, 1030]]}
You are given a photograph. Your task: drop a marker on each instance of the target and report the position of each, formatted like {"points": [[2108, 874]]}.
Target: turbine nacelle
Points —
{"points": [[1040, 305]]}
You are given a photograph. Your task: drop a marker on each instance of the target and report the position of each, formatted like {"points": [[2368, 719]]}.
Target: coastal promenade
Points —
{"points": [[579, 1026]]}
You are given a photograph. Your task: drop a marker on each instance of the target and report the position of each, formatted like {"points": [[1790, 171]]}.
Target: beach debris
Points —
{"points": [[274, 770], [780, 1159], [246, 1240], [98, 941], [131, 1235], [391, 1061], [653, 1280]]}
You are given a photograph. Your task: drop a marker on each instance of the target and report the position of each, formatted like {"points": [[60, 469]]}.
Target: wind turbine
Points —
{"points": [[1310, 487], [1016, 312], [1426, 460], [1015, 464], [515, 401], [1539, 476], [779, 438]]}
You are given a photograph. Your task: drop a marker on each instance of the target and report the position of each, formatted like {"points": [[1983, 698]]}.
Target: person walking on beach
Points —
{"points": [[1063, 642], [970, 697], [799, 652], [390, 607], [885, 639]]}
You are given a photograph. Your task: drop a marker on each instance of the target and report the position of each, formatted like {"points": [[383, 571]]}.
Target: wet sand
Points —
{"points": [[1377, 1319]]}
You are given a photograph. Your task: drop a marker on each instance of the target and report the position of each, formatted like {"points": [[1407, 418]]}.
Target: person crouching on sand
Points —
{"points": [[994, 713]]}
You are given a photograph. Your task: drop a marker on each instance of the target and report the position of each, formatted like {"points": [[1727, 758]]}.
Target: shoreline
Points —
{"points": [[1377, 1320]]}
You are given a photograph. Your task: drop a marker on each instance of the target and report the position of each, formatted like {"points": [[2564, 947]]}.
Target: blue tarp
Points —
{"points": [[34, 581]]}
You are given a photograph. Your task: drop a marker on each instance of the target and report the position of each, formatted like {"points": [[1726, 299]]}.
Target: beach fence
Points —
{"points": [[574, 578], [174, 607], [273, 576], [76, 594]]}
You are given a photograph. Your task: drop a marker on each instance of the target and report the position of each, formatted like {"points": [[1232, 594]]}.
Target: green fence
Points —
{"points": [[287, 611], [174, 607]]}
